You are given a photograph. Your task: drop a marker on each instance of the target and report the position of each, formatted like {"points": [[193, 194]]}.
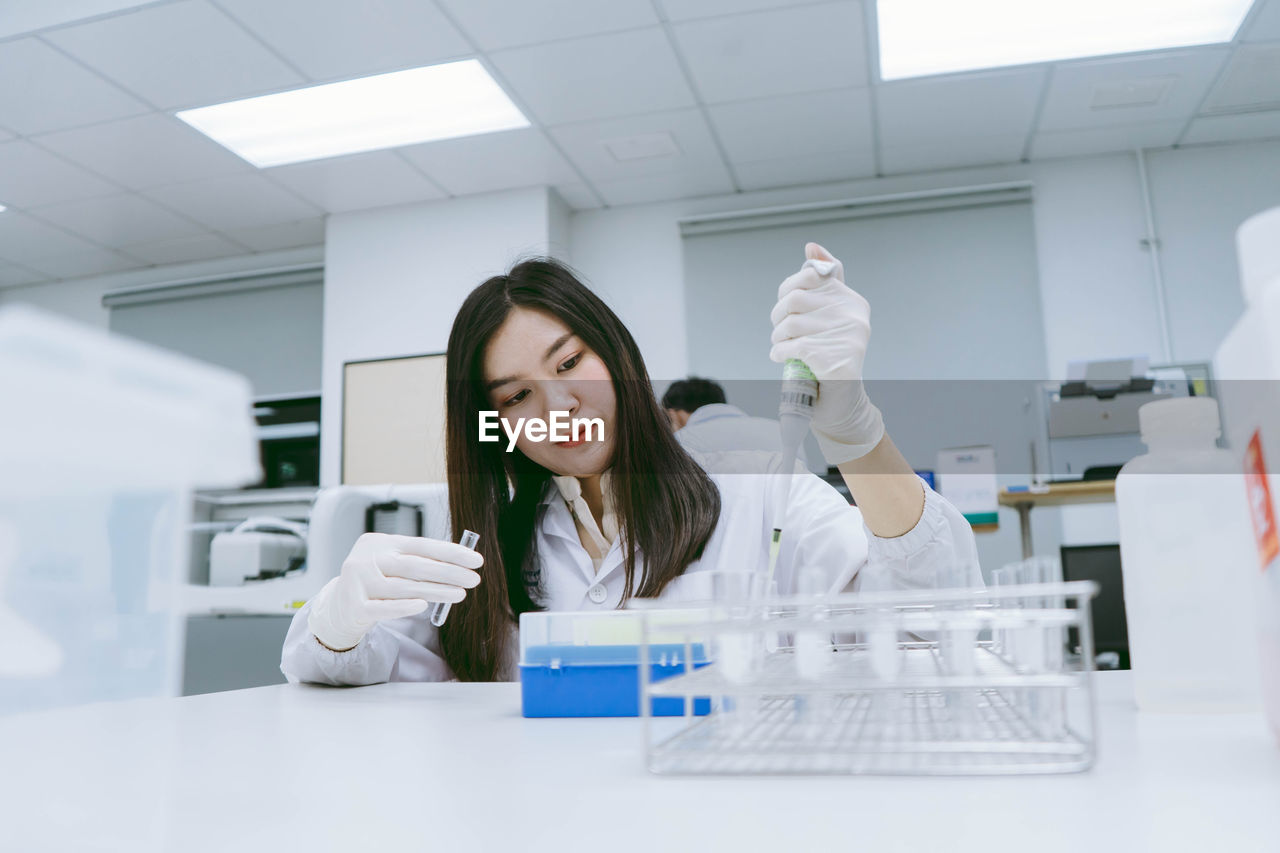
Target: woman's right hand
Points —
{"points": [[389, 577]]}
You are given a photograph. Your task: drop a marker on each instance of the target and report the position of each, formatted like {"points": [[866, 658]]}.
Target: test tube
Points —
{"points": [[812, 643], [439, 610]]}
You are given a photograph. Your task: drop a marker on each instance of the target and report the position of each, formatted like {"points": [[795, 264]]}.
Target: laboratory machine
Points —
{"points": [[274, 549], [1090, 421]]}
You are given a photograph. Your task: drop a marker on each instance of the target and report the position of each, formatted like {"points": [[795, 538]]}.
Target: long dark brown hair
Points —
{"points": [[666, 505]]}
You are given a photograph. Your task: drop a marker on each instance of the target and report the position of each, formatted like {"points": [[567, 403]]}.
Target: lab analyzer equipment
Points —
{"points": [[258, 548], [927, 681], [300, 557]]}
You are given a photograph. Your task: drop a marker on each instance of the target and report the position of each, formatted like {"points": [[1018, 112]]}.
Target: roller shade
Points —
{"points": [[267, 326], [946, 275]]}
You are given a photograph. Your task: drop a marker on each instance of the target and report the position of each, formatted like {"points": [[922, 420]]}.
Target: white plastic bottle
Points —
{"points": [[1186, 564], [1247, 372]]}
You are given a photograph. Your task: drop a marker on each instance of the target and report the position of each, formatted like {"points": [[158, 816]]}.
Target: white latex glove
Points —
{"points": [[828, 326], [388, 577]]}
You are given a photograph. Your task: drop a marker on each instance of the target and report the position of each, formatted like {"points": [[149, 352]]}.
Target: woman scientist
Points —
{"points": [[587, 524]]}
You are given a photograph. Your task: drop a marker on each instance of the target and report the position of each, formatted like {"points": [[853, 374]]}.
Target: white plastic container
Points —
{"points": [[1247, 370], [101, 443], [1187, 566]]}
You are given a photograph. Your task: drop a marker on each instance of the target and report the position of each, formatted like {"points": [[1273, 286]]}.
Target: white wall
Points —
{"points": [[1096, 284], [395, 277], [632, 257], [81, 299], [1096, 287], [1201, 195]]}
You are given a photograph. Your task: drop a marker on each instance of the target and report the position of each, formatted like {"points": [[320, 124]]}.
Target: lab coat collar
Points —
{"points": [[558, 521]]}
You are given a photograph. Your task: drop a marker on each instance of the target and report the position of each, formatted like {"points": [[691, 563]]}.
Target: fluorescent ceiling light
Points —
{"points": [[384, 111], [919, 37]]}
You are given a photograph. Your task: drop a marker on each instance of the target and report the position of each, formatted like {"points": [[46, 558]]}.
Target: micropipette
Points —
{"points": [[799, 396], [439, 610]]}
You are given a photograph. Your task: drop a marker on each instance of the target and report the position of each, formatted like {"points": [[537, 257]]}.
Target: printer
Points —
{"points": [[1091, 419]]}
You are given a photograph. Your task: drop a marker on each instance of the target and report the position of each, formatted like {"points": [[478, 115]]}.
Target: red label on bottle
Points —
{"points": [[1260, 507]]}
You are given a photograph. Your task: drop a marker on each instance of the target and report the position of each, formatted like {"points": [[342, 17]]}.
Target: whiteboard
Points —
{"points": [[393, 420]]}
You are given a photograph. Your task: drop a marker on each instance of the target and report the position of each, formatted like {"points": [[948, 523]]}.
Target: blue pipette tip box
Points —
{"points": [[588, 665]]}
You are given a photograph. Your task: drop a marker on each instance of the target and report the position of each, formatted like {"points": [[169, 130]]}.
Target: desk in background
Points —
{"points": [[1055, 494]]}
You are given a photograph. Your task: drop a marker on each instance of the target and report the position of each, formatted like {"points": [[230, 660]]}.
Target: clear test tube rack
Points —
{"points": [[913, 682]]}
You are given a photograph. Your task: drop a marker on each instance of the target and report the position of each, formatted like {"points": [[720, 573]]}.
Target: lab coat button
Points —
{"points": [[598, 593]]}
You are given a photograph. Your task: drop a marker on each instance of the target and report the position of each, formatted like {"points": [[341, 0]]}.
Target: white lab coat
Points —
{"points": [[821, 530]]}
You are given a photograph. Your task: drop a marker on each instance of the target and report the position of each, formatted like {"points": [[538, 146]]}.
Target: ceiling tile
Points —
{"points": [[357, 182], [118, 220], [1266, 24], [28, 16], [23, 239], [1251, 80], [83, 264], [496, 24], [1099, 140], [778, 52], [492, 161], [30, 176], [12, 275], [286, 235], [5, 135], [1265, 125], [686, 10], [144, 152], [238, 201], [795, 125], [585, 144], [198, 248], [1071, 91], [331, 39], [596, 77], [175, 55], [952, 153], [44, 90], [808, 169], [578, 196], [664, 187], [930, 112]]}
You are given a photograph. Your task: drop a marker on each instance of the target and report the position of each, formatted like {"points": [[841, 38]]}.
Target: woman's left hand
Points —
{"points": [[825, 324]]}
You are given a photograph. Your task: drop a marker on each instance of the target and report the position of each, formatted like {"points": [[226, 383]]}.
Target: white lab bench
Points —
{"points": [[454, 767]]}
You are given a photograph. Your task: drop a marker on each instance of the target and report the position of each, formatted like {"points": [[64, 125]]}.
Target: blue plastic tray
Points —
{"points": [[601, 681]]}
